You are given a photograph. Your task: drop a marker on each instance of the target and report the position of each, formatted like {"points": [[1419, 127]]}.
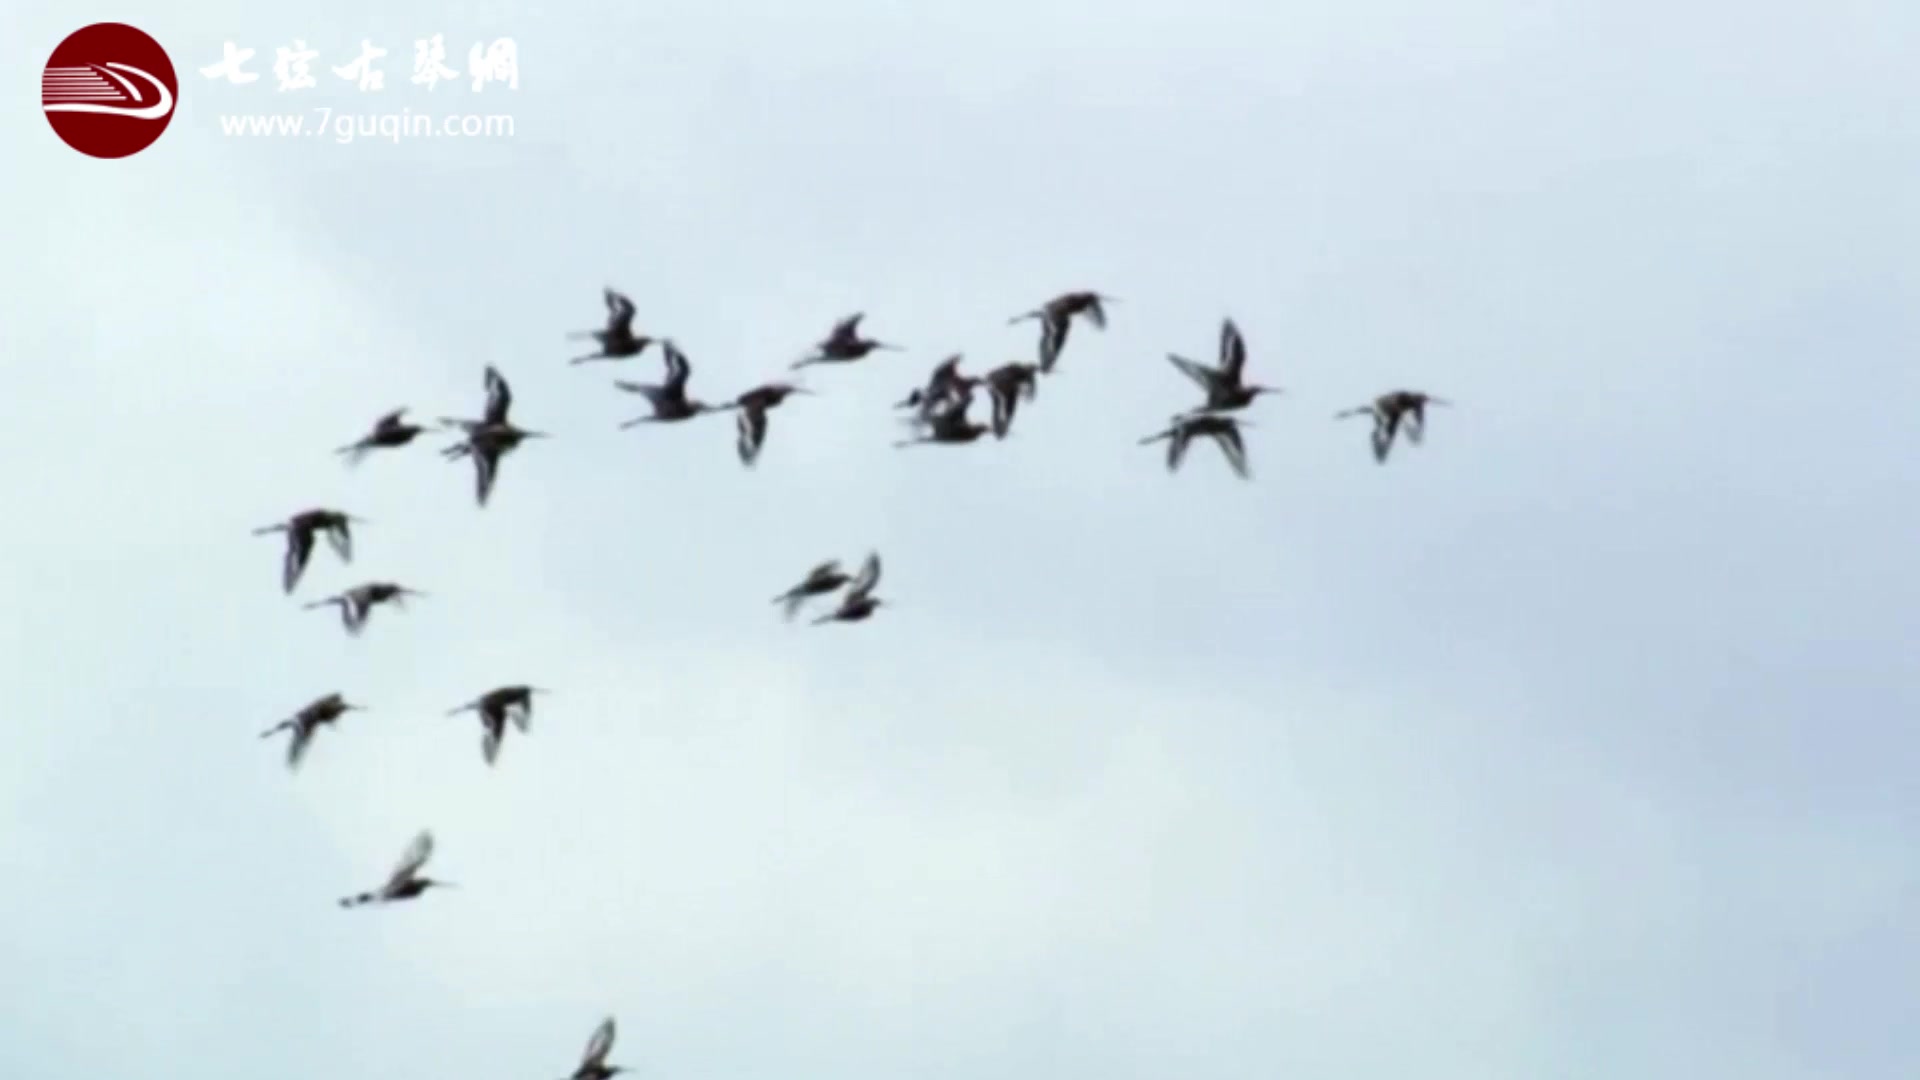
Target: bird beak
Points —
{"points": [[535, 435], [1105, 299], [412, 592], [1438, 401], [803, 390]]}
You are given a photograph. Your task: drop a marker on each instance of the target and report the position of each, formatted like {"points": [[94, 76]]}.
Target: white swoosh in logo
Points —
{"points": [[154, 111]]}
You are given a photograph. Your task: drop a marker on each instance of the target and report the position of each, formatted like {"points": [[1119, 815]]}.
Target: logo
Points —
{"points": [[108, 90]]}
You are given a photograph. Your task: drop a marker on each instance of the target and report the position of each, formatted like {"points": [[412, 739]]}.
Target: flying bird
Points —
{"points": [[1006, 385], [486, 444], [858, 602], [306, 722], [844, 344], [1224, 430], [593, 1062], [357, 602], [405, 882], [1223, 384], [669, 399], [944, 387], [1392, 413], [336, 525], [752, 425], [617, 340], [948, 425], [497, 707], [821, 580], [389, 431], [1056, 318]]}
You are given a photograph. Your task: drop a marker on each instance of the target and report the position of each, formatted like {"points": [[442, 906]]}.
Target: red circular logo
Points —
{"points": [[109, 90]]}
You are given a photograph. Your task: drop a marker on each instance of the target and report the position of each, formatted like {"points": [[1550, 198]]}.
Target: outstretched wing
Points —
{"points": [[653, 394], [846, 329], [297, 746], [678, 369], [1177, 445], [1193, 369], [598, 1047], [499, 397], [340, 538], [868, 578], [294, 562], [619, 313], [1233, 351], [1096, 313], [1235, 448], [752, 426], [416, 856], [1053, 338], [390, 420], [486, 466]]}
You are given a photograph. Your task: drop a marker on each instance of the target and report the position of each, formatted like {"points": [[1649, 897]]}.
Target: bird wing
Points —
{"points": [[678, 370], [846, 329], [294, 563], [1177, 445], [340, 538], [499, 397], [619, 312], [653, 394], [416, 856], [1233, 351], [1096, 314], [491, 733], [1193, 369], [390, 420], [599, 1046], [297, 746], [868, 578], [1053, 338], [753, 432], [486, 466], [1232, 445]]}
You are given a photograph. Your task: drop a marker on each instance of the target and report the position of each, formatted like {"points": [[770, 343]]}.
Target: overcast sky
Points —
{"points": [[1576, 743]]}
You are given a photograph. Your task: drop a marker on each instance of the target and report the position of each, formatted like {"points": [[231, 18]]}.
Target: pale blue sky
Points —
{"points": [[1577, 743]]}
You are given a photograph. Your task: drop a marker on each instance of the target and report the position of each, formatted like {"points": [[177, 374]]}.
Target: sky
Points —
{"points": [[1576, 742]]}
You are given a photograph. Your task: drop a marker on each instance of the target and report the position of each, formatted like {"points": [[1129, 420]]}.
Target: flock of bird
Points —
{"points": [[940, 413]]}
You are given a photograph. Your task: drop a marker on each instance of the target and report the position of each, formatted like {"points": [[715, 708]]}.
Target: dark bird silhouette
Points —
{"points": [[389, 431], [752, 425], [1394, 412], [358, 601], [486, 444], [593, 1062], [1224, 430], [1223, 384], [1056, 318], [1006, 385], [405, 882], [858, 602], [497, 707], [844, 344], [617, 340], [300, 530], [669, 399], [499, 403], [303, 724], [821, 580], [944, 387], [948, 424]]}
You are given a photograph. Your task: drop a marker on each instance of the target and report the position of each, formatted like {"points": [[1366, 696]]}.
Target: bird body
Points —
{"points": [[669, 399], [1006, 385], [405, 882], [303, 724], [1393, 412], [617, 340], [858, 602], [822, 579], [753, 407], [1224, 385], [388, 432], [497, 708], [357, 602], [336, 525], [1056, 318], [1223, 430], [843, 344]]}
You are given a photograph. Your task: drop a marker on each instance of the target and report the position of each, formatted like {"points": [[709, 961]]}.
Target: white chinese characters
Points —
{"points": [[496, 62]]}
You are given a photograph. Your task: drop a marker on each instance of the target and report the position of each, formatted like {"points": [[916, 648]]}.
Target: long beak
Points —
{"points": [[804, 390], [358, 520], [1438, 401], [265, 529], [1105, 299], [889, 348], [412, 592]]}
